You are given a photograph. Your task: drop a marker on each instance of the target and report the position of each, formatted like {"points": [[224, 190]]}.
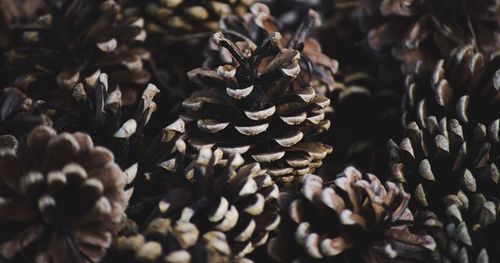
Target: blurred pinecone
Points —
{"points": [[164, 240], [73, 41], [427, 30], [217, 194], [254, 28], [450, 157], [99, 109], [353, 218], [258, 109], [62, 199], [174, 19], [19, 114]]}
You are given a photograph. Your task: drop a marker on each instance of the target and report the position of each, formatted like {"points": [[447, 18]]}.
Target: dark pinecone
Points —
{"points": [[73, 41], [217, 194], [450, 157], [164, 240], [258, 109], [353, 218], [257, 26], [99, 109], [427, 30], [62, 199], [172, 19], [19, 114]]}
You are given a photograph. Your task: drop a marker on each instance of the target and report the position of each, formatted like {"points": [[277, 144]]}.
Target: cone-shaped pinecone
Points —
{"points": [[449, 160], [256, 108], [256, 27], [74, 41], [353, 218], [181, 18], [164, 240], [217, 194], [426, 30], [19, 114], [62, 199], [98, 109]]}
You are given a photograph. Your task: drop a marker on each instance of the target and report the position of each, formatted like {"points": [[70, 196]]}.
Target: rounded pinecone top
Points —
{"points": [[254, 109], [351, 218], [62, 198], [164, 240], [258, 25], [184, 17], [73, 41], [426, 30], [465, 86], [217, 194]]}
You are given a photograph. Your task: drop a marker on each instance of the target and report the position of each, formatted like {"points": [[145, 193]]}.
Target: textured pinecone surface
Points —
{"points": [[427, 30], [72, 41], [62, 198], [217, 194], [164, 240], [449, 160], [254, 108], [353, 218]]}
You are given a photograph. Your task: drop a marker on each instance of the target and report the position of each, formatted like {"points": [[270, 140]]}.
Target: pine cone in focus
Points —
{"points": [[182, 18], [19, 114], [165, 240], [62, 198], [255, 27], [74, 41], [256, 109], [353, 218], [98, 109], [427, 30], [217, 194], [450, 157]]}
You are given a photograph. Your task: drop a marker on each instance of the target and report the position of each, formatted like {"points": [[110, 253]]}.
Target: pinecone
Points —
{"points": [[62, 199], [19, 114], [217, 194], [255, 27], [353, 218], [165, 240], [174, 19], [73, 41], [450, 157], [99, 110], [256, 108], [427, 30]]}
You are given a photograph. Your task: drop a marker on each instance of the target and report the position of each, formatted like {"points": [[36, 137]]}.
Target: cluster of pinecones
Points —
{"points": [[278, 131]]}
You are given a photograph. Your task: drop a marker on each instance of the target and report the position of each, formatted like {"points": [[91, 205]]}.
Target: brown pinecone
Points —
{"points": [[99, 110], [19, 114], [450, 157], [73, 41], [353, 218], [164, 240], [427, 30], [62, 199], [258, 108], [217, 194], [254, 28], [172, 19]]}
